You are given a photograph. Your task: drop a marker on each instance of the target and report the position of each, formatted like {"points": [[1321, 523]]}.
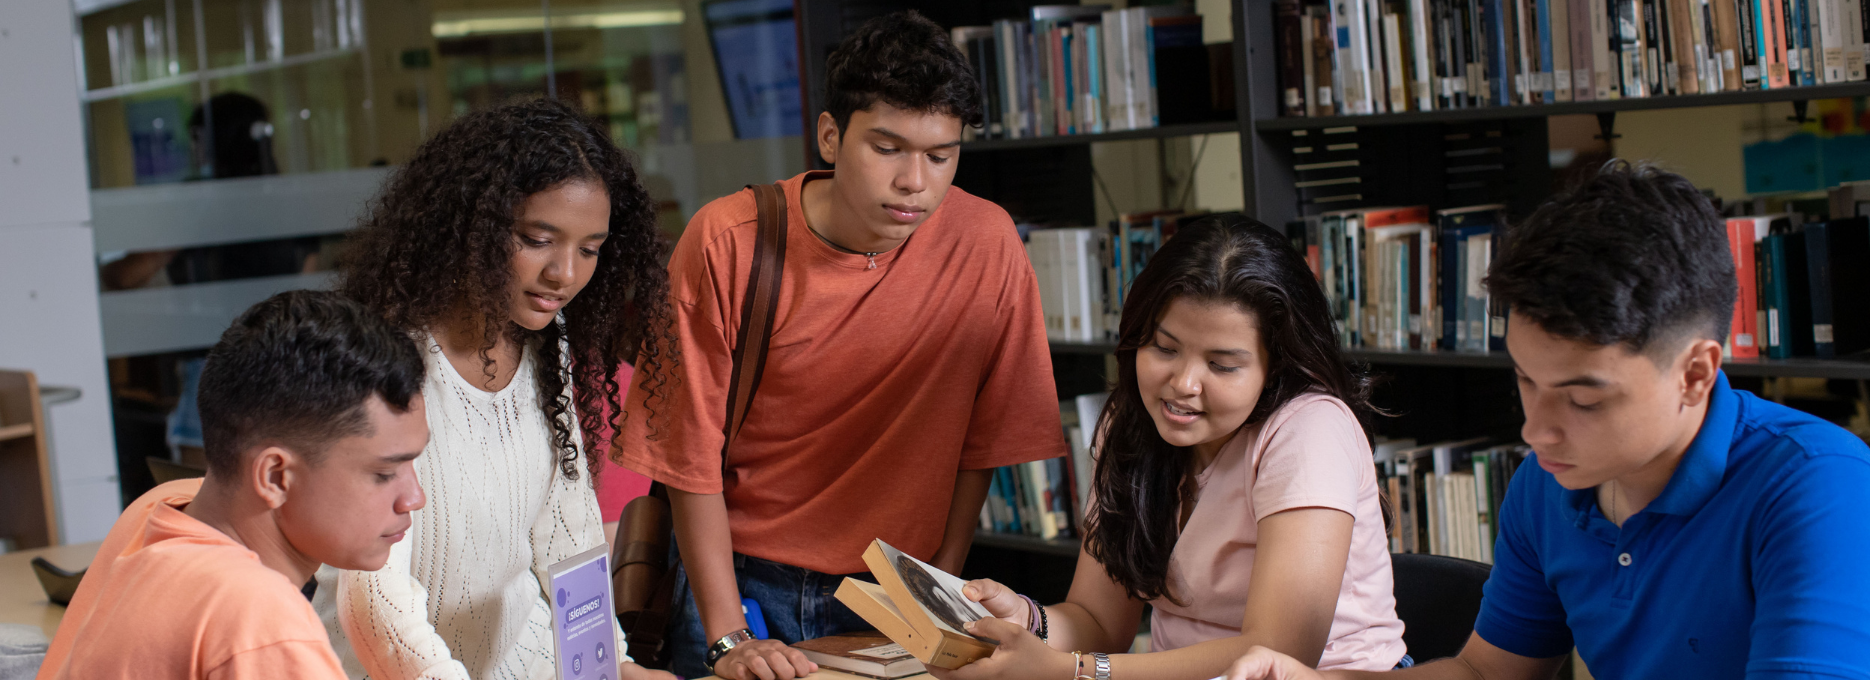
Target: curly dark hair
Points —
{"points": [[1633, 255], [1141, 480], [903, 60], [439, 238]]}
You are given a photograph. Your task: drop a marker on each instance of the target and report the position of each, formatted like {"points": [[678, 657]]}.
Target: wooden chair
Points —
{"points": [[26, 514]]}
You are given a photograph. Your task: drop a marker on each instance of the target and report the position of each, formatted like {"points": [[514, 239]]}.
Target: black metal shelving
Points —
{"points": [[1162, 132], [1790, 94], [1064, 547]]}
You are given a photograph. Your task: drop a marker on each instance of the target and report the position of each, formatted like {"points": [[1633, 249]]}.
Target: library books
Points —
{"points": [[867, 654], [1087, 69], [1339, 57], [1804, 288], [1407, 278], [1444, 498], [917, 606]]}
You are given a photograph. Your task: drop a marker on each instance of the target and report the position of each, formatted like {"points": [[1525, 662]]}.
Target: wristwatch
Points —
{"points": [[727, 642]]}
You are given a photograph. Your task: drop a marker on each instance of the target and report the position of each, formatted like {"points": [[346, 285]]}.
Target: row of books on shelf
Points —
{"points": [[1343, 57], [1085, 272], [1407, 278], [1802, 281], [1045, 499], [1087, 69], [1444, 498]]}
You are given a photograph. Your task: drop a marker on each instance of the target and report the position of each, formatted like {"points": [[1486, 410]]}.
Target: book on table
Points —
{"points": [[917, 606], [868, 654]]}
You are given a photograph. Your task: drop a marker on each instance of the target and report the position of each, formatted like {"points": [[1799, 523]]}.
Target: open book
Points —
{"points": [[917, 606]]}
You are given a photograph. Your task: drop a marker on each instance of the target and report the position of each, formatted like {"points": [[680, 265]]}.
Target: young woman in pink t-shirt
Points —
{"points": [[1234, 490]]}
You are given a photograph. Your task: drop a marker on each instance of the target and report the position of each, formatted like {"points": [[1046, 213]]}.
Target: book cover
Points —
{"points": [[930, 600], [869, 654]]}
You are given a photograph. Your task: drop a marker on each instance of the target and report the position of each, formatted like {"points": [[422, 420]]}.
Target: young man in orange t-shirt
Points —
{"points": [[312, 414], [908, 359]]}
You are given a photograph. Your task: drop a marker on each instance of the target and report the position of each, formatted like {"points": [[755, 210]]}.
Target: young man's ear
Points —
{"points": [[270, 475], [1701, 366], [828, 138]]}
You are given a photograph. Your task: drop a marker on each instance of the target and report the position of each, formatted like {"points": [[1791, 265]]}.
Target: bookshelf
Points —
{"points": [[1291, 167]]}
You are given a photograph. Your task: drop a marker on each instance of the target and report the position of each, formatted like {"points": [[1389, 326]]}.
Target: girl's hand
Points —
{"points": [[1261, 663], [1021, 655], [999, 601]]}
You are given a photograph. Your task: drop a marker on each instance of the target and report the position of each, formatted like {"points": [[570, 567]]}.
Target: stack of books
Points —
{"points": [[1407, 278], [1346, 57], [1087, 69], [1045, 499]]}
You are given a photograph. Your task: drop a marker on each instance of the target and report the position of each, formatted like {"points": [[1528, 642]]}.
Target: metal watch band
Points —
{"points": [[726, 643], [1103, 665]]}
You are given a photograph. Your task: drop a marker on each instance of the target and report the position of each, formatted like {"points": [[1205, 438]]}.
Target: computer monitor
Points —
{"points": [[756, 51]]}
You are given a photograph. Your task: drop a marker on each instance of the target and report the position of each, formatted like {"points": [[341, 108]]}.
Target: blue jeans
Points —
{"points": [[798, 604]]}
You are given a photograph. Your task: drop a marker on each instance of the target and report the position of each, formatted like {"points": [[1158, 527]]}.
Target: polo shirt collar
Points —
{"points": [[1698, 477]]}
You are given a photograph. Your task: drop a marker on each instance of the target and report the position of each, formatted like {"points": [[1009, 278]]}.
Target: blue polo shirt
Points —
{"points": [[1754, 562]]}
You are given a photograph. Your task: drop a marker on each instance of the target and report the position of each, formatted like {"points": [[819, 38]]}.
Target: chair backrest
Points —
{"points": [[1437, 599]]}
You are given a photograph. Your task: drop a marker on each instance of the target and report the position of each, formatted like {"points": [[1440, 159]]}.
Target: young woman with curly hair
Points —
{"points": [[1234, 490], [520, 248]]}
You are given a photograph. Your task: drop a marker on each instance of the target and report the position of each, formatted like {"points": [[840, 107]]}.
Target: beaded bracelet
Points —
{"points": [[1036, 620]]}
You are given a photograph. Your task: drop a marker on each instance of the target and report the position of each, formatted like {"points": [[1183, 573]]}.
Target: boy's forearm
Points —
{"points": [[707, 549]]}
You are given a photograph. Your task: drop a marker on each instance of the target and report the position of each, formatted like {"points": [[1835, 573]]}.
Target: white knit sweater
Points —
{"points": [[463, 594]]}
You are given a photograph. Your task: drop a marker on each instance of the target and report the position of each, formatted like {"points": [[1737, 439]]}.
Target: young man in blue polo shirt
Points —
{"points": [[1672, 527]]}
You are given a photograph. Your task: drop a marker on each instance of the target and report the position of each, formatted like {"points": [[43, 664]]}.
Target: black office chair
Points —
{"points": [[1437, 599]]}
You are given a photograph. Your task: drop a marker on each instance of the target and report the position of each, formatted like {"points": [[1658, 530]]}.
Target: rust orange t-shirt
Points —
{"points": [[880, 384], [170, 597]]}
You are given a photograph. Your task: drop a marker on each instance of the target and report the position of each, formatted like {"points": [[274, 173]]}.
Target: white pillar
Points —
{"points": [[48, 274]]}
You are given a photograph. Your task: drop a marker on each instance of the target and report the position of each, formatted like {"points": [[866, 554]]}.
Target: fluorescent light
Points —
{"points": [[455, 28]]}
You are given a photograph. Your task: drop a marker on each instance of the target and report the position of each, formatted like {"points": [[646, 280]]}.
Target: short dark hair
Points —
{"points": [[1634, 255], [904, 60], [297, 369]]}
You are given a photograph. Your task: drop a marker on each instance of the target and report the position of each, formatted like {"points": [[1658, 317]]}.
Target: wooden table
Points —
{"points": [[21, 599]]}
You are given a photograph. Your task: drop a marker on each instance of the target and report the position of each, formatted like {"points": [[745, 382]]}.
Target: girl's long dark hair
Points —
{"points": [[1141, 480], [439, 238]]}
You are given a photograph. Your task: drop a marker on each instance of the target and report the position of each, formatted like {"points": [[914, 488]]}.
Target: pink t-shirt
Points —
{"points": [[1308, 454]]}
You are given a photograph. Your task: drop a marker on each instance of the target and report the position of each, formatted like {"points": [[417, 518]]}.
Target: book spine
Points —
{"points": [[1629, 38], [1468, 72], [1772, 263], [1709, 67], [1420, 47], [1325, 62], [1748, 44], [1092, 101], [1376, 86], [1652, 49], [1291, 42], [1561, 49], [1814, 38], [1739, 341], [1602, 56], [1499, 91], [1581, 52], [1863, 36], [1546, 74], [1393, 44], [1728, 35], [1819, 270], [1832, 23], [1671, 70]]}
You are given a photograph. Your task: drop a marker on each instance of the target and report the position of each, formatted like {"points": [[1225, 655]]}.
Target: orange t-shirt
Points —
{"points": [[170, 597], [880, 384]]}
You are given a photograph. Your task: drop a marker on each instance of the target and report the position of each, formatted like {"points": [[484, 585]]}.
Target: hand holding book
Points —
{"points": [[1019, 655], [1000, 601]]}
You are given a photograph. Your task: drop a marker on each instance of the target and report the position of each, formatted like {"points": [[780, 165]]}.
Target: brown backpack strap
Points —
{"points": [[757, 311]]}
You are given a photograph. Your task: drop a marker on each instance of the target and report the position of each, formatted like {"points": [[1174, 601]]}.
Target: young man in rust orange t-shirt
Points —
{"points": [[908, 359]]}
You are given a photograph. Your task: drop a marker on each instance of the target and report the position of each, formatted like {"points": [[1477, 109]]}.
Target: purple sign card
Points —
{"points": [[583, 621]]}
